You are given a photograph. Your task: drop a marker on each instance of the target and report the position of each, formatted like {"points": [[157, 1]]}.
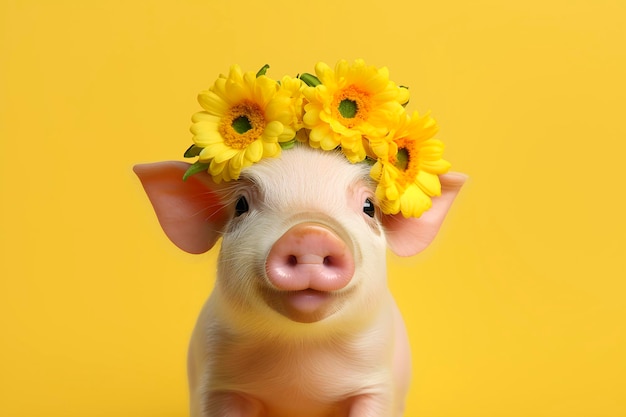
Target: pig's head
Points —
{"points": [[303, 241]]}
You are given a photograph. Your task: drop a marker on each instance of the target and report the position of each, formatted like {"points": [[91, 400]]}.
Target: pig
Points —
{"points": [[301, 321]]}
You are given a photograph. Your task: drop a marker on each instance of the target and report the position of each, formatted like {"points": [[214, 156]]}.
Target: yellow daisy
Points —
{"points": [[353, 101], [244, 119], [408, 166]]}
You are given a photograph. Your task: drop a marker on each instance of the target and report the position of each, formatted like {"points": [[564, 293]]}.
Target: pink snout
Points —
{"points": [[309, 256]]}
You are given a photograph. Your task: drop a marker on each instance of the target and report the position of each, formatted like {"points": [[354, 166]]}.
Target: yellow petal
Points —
{"points": [[279, 108], [203, 116], [254, 151], [429, 183], [225, 154], [215, 168], [236, 162], [431, 149], [323, 72], [287, 135], [212, 103], [311, 116], [403, 95], [319, 132], [236, 74], [392, 192], [354, 155], [204, 126], [207, 138], [438, 167], [328, 142], [273, 129], [376, 171], [271, 149], [235, 93], [264, 90], [414, 202]]}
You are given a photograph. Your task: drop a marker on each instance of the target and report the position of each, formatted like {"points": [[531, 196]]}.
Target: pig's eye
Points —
{"points": [[369, 208], [241, 207]]}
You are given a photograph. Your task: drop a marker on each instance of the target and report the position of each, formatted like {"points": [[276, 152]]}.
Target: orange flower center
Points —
{"points": [[242, 124], [351, 106], [406, 160]]}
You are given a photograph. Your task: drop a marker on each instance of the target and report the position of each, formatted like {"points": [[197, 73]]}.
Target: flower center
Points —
{"points": [[402, 159], [406, 160], [351, 106], [242, 124], [348, 108]]}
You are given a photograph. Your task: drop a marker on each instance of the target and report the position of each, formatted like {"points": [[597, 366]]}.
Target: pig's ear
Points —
{"points": [[189, 212], [406, 237]]}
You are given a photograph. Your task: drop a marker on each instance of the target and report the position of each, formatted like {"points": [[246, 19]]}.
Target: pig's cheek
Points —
{"points": [[242, 257], [371, 274]]}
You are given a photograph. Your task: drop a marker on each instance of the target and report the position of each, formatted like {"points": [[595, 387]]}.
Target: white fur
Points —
{"points": [[245, 359]]}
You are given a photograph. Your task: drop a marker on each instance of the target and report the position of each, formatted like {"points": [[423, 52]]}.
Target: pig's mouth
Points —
{"points": [[303, 306]]}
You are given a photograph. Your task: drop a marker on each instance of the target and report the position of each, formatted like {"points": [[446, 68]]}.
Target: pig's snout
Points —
{"points": [[309, 256]]}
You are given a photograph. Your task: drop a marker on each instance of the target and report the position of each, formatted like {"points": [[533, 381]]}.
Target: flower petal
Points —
{"points": [[254, 151], [225, 154], [414, 202], [280, 112], [271, 149], [212, 103], [429, 183], [273, 129]]}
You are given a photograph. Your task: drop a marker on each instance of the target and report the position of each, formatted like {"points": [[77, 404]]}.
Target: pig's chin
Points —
{"points": [[303, 306]]}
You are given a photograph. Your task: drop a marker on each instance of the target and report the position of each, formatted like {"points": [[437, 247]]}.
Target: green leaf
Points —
{"points": [[195, 168], [310, 79], [288, 145], [263, 70], [369, 161], [192, 151]]}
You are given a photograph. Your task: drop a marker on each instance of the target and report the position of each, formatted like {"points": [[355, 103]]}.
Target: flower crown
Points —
{"points": [[354, 108]]}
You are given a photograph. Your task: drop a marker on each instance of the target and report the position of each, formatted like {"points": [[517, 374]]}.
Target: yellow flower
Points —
{"points": [[409, 162], [354, 107], [353, 101], [293, 88], [244, 120]]}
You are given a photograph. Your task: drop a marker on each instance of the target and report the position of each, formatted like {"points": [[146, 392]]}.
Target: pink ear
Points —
{"points": [[406, 237], [189, 212]]}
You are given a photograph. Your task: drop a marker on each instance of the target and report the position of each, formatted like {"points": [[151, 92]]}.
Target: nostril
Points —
{"points": [[309, 256]]}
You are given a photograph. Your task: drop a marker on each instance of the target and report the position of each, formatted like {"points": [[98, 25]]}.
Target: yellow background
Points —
{"points": [[516, 310]]}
